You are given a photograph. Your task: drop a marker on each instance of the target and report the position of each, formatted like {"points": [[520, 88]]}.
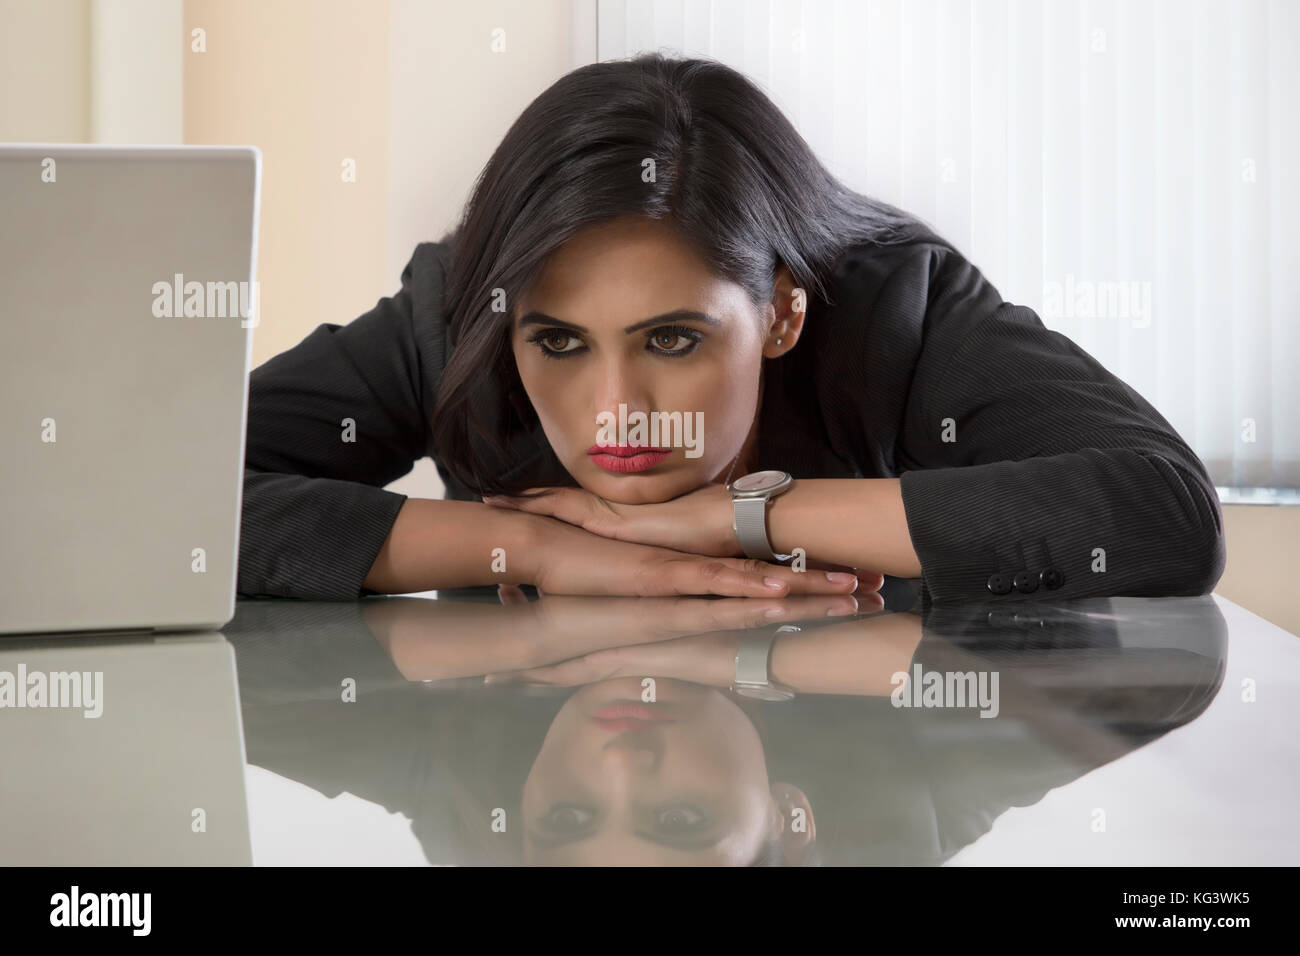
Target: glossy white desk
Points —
{"points": [[1127, 731]]}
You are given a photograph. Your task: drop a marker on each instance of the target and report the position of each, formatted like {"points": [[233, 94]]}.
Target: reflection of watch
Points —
{"points": [[749, 497], [751, 667]]}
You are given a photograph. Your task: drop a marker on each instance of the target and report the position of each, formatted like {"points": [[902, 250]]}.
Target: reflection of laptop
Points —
{"points": [[128, 301], [140, 764]]}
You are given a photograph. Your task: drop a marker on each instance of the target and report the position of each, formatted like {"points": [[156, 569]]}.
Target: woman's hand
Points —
{"points": [[564, 559], [698, 522], [833, 523]]}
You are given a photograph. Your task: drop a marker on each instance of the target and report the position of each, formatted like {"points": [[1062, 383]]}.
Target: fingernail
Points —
{"points": [[774, 612], [774, 583], [841, 577]]}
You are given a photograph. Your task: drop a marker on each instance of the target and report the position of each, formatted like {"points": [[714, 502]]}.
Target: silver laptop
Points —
{"points": [[132, 754], [128, 299]]}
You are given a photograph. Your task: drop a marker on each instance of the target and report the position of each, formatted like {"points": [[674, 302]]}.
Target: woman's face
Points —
{"points": [[680, 782], [626, 313]]}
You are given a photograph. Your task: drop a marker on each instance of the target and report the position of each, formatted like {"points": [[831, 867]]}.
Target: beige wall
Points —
{"points": [[1263, 561], [452, 98], [412, 91], [136, 74], [45, 71], [101, 71], [307, 83]]}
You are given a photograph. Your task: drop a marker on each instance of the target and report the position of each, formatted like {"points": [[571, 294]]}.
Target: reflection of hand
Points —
{"points": [[708, 659], [435, 640], [638, 620], [857, 656]]}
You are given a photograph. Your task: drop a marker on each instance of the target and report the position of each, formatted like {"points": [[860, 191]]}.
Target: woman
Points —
{"points": [[653, 238]]}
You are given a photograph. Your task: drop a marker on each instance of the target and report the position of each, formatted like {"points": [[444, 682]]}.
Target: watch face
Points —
{"points": [[759, 481]]}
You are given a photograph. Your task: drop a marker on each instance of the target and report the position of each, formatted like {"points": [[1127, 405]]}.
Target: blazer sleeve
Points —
{"points": [[1030, 457], [330, 422]]}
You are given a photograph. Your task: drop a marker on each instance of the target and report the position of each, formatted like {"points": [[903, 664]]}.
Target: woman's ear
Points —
{"points": [[789, 305], [793, 814]]}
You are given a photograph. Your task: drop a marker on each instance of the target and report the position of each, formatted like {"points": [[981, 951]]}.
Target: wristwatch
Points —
{"points": [[751, 667], [749, 497]]}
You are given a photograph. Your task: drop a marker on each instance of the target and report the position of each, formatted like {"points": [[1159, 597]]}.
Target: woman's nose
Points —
{"points": [[633, 750], [619, 386]]}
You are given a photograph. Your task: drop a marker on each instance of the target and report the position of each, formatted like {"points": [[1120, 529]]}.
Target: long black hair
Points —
{"points": [[730, 172]]}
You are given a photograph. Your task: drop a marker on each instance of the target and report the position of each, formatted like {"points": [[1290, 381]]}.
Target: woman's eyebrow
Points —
{"points": [[677, 315]]}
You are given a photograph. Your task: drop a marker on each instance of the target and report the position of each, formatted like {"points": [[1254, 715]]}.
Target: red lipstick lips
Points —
{"points": [[624, 459], [628, 715]]}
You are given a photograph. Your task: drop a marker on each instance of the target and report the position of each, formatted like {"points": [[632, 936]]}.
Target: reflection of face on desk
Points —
{"points": [[516, 774], [690, 788]]}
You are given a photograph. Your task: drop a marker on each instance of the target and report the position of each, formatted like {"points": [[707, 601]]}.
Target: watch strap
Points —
{"points": [[752, 659], [750, 521]]}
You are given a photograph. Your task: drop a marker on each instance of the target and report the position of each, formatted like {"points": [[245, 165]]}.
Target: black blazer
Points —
{"points": [[1056, 466]]}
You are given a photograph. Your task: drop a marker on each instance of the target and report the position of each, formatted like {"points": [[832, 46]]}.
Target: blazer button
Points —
{"points": [[1000, 583], [1025, 582], [1051, 578]]}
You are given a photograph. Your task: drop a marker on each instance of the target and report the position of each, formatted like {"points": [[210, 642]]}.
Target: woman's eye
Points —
{"points": [[682, 819], [674, 341], [556, 342], [566, 818]]}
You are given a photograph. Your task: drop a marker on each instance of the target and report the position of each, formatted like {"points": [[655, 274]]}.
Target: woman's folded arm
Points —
{"points": [[311, 538], [1032, 459], [331, 421]]}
